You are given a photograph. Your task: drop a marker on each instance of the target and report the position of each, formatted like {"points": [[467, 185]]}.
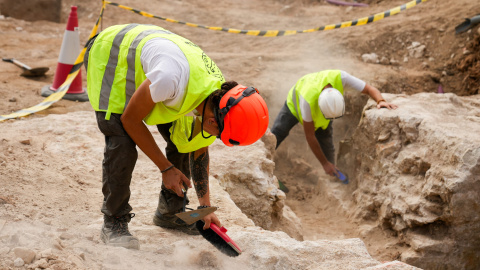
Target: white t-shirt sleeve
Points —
{"points": [[167, 68], [352, 83], [305, 110]]}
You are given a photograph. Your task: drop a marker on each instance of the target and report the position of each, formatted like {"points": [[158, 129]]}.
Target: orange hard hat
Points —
{"points": [[242, 116]]}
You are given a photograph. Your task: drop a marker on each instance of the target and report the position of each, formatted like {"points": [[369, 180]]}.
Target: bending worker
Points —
{"points": [[314, 101], [144, 74]]}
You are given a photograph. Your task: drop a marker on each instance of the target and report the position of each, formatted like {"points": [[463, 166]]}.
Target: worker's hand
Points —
{"points": [[330, 169], [175, 180], [208, 219], [384, 104]]}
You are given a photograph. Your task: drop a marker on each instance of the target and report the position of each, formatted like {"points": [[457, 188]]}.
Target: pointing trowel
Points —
{"points": [[193, 216]]}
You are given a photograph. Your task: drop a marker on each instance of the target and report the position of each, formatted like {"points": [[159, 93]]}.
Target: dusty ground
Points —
{"points": [[273, 65]]}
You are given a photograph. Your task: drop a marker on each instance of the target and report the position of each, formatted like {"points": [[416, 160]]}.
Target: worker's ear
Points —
{"points": [[212, 122]]}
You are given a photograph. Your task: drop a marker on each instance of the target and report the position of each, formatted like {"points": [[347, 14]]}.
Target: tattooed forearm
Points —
{"points": [[199, 169]]}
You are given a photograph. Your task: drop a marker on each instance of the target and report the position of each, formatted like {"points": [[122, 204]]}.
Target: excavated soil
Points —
{"points": [[273, 65]]}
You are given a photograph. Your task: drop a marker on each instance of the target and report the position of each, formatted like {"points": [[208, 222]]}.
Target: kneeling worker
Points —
{"points": [[143, 74], [314, 101]]}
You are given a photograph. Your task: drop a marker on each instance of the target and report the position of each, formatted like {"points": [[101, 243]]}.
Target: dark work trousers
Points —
{"points": [[285, 121], [119, 158], [169, 202]]}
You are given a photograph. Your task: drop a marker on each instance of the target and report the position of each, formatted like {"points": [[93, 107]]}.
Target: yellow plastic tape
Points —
{"points": [[60, 92], [277, 33], [47, 102]]}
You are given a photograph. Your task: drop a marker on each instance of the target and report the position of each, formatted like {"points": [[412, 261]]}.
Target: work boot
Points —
{"points": [[115, 232], [168, 205]]}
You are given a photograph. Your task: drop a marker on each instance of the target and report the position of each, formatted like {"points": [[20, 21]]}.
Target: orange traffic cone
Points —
{"points": [[68, 54]]}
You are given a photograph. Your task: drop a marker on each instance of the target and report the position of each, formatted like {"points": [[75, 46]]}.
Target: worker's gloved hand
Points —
{"points": [[208, 219], [175, 180], [330, 169]]}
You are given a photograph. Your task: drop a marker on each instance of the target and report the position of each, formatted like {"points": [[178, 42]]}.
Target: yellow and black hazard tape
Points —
{"points": [[277, 33], [60, 92]]}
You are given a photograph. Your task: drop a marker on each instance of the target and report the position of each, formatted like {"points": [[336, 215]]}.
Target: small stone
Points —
{"points": [[25, 142], [42, 263], [414, 44], [12, 99], [394, 62], [48, 254], [18, 28], [384, 61], [384, 135], [416, 50], [26, 254], [18, 262], [370, 58]]}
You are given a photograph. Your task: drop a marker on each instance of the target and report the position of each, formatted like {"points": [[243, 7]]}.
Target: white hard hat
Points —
{"points": [[331, 103]]}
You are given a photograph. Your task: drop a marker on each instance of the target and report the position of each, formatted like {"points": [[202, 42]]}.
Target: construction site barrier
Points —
{"points": [[68, 52], [60, 92], [278, 33]]}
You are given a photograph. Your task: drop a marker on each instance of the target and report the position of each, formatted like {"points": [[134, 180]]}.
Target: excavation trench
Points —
{"points": [[320, 201]]}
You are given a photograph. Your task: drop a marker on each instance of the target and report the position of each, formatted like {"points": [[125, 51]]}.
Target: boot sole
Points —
{"points": [[170, 225]]}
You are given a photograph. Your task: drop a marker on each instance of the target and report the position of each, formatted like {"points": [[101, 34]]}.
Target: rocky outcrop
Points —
{"points": [[246, 173], [416, 172], [50, 197]]}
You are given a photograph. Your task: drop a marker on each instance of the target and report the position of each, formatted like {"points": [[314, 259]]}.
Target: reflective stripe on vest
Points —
{"points": [[115, 72], [130, 84], [109, 74], [309, 87]]}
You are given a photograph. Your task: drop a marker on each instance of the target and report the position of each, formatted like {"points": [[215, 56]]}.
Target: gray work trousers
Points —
{"points": [[120, 157], [285, 121]]}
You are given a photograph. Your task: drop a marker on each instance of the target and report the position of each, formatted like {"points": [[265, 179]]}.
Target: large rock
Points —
{"points": [[246, 173], [53, 189], [417, 173]]}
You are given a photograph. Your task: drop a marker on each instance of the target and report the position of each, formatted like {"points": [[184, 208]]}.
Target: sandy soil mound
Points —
{"points": [[271, 64]]}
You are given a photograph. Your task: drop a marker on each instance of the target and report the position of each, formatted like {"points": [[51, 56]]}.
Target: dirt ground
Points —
{"points": [[273, 64]]}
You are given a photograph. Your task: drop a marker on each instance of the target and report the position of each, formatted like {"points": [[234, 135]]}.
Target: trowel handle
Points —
{"points": [[16, 62]]}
